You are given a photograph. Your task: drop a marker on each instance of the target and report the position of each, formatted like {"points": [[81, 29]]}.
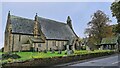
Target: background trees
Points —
{"points": [[98, 28], [115, 7]]}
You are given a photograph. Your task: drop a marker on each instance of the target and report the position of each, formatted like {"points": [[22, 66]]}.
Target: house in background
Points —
{"points": [[109, 43], [23, 34]]}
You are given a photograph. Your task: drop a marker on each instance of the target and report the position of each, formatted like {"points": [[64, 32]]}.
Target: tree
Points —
{"points": [[115, 7], [116, 29], [98, 27]]}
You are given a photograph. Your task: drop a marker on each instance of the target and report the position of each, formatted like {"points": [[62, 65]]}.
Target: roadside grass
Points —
{"points": [[31, 55], [87, 52]]}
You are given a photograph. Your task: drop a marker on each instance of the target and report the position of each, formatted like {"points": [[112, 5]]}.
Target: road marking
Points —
{"points": [[116, 62]]}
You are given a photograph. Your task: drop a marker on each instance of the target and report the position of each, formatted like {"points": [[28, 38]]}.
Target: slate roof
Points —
{"points": [[112, 40], [50, 28], [22, 25], [55, 30]]}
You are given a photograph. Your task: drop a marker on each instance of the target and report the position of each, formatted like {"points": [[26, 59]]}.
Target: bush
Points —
{"points": [[83, 47], [10, 60], [45, 51], [10, 55]]}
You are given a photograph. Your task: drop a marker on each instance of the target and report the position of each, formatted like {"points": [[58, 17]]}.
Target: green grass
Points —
{"points": [[1, 53], [31, 55], [87, 52]]}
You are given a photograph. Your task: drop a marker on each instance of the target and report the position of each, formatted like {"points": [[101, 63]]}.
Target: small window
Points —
{"points": [[62, 43], [39, 45], [54, 43]]}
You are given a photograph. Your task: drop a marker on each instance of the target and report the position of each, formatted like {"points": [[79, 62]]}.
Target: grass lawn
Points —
{"points": [[0, 53], [86, 52], [31, 55]]}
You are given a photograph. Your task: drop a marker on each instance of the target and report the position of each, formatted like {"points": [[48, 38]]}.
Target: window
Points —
{"points": [[62, 43], [19, 37], [58, 43], [54, 43], [39, 45]]}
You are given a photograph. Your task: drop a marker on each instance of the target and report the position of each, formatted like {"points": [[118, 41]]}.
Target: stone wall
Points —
{"points": [[21, 42], [25, 47], [39, 46], [5, 42], [17, 42], [56, 44], [50, 44]]}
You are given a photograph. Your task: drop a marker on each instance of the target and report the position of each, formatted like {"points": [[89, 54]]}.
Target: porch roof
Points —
{"points": [[110, 41]]}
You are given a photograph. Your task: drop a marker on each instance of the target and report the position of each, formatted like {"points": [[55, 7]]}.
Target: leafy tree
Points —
{"points": [[116, 29], [98, 27], [115, 7]]}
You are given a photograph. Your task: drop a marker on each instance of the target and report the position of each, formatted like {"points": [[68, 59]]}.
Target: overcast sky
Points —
{"points": [[79, 12]]}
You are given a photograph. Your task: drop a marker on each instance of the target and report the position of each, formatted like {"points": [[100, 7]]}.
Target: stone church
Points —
{"points": [[23, 34]]}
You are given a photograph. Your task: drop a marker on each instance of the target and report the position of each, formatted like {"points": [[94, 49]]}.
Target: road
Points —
{"points": [[106, 62]]}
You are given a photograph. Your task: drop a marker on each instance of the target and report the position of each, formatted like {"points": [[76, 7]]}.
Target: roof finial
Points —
{"points": [[8, 14], [69, 22], [36, 14], [36, 17], [68, 19]]}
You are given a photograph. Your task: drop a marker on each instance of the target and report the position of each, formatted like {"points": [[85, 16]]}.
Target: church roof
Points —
{"points": [[50, 28], [22, 25]]}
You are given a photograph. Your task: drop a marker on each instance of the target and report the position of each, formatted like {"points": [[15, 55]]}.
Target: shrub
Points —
{"points": [[10, 55], [10, 60], [45, 51]]}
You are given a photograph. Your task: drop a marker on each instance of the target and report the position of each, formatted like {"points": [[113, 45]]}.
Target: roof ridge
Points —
{"points": [[14, 16], [53, 20]]}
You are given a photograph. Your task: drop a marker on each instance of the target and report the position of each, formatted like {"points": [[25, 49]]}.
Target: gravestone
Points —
{"points": [[88, 48], [59, 52], [52, 51], [68, 47], [45, 51], [68, 50]]}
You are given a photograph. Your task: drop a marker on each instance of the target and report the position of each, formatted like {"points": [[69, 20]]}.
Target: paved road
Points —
{"points": [[107, 62]]}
